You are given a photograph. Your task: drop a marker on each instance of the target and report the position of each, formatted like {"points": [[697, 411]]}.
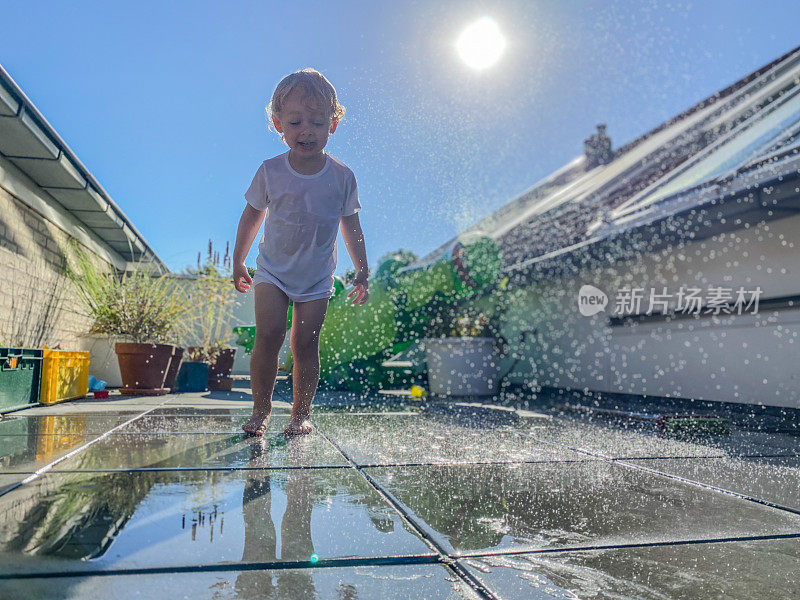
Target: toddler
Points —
{"points": [[307, 196]]}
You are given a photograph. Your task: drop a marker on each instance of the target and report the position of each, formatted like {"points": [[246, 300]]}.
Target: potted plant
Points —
{"points": [[211, 319], [462, 355], [140, 309]]}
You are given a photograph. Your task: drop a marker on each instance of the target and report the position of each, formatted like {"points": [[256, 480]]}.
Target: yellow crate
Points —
{"points": [[65, 376]]}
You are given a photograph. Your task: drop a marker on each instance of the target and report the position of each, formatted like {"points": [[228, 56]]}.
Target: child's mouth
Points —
{"points": [[307, 145]]}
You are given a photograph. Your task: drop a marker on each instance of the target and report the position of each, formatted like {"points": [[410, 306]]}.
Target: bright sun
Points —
{"points": [[481, 44]]}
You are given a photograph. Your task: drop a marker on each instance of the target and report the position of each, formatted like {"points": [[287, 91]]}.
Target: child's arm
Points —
{"points": [[248, 228], [354, 240]]}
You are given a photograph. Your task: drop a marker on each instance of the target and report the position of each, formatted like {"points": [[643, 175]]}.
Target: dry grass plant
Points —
{"points": [[136, 306], [211, 316]]}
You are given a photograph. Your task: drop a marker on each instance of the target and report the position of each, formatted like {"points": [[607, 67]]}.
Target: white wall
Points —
{"points": [[747, 358]]}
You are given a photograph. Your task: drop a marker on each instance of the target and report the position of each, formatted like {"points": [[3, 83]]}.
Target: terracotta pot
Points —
{"points": [[143, 368], [174, 367], [219, 372]]}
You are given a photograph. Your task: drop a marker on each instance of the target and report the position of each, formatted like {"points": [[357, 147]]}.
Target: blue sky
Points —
{"points": [[164, 101]]}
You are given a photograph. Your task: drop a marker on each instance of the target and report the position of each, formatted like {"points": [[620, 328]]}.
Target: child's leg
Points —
{"points": [[307, 319], [271, 307]]}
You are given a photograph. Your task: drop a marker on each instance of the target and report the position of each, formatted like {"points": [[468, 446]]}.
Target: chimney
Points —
{"points": [[597, 148]]}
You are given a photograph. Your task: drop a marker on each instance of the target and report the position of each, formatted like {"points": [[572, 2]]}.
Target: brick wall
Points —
{"points": [[37, 303]]}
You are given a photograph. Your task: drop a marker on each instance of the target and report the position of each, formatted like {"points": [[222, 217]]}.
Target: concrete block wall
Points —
{"points": [[37, 302]]}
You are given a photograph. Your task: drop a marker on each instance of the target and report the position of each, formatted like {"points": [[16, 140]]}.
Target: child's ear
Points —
{"points": [[277, 124], [333, 125]]}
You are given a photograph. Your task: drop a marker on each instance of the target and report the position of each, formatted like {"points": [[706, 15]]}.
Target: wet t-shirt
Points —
{"points": [[297, 251]]}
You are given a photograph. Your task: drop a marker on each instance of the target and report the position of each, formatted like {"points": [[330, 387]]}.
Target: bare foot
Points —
{"points": [[257, 425], [298, 425]]}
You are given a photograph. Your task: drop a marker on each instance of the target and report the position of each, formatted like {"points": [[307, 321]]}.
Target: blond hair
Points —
{"points": [[314, 86]]}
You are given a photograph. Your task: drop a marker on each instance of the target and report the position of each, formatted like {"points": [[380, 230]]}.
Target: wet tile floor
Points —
{"points": [[389, 498]]}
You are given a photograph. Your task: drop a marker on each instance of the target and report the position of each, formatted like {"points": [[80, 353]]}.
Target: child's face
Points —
{"points": [[304, 126]]}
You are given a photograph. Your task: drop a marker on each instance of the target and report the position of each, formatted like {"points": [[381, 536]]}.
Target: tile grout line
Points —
{"points": [[699, 484], [727, 540], [174, 469], [444, 558], [712, 487], [48, 467], [400, 560]]}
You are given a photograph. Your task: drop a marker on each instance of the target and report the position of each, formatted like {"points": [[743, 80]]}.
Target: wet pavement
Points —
{"points": [[390, 497]]}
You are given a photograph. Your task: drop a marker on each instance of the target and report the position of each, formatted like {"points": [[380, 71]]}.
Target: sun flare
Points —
{"points": [[481, 44]]}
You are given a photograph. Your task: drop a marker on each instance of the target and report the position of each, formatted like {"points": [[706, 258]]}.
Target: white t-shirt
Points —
{"points": [[298, 249]]}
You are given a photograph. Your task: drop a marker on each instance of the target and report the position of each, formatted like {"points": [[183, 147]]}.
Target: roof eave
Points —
{"points": [[67, 180]]}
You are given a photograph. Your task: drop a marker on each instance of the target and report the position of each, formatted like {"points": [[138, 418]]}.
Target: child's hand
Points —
{"points": [[361, 283], [241, 278]]}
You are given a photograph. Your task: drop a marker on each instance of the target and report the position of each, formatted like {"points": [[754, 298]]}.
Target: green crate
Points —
{"points": [[20, 377]]}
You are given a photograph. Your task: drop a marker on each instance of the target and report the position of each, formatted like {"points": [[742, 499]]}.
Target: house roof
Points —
{"points": [[33, 146], [737, 139]]}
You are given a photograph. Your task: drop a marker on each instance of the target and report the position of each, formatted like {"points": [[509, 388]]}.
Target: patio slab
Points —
{"points": [[64, 424], [203, 450], [198, 423], [744, 442], [394, 438], [207, 512], [480, 508], [25, 454], [751, 569], [774, 480], [328, 400], [334, 583], [169, 410], [602, 439], [8, 480], [80, 522], [114, 404]]}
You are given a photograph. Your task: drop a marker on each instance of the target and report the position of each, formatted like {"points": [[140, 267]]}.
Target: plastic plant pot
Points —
{"points": [[192, 377], [462, 366]]}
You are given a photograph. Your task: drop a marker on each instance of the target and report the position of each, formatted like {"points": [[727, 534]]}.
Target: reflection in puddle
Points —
{"points": [[140, 519], [260, 537], [32, 441]]}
